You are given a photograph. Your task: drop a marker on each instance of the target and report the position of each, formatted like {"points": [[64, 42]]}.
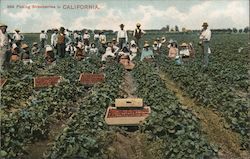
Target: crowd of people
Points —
{"points": [[77, 44]]}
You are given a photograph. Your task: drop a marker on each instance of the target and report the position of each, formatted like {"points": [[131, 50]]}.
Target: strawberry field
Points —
{"points": [[66, 119]]}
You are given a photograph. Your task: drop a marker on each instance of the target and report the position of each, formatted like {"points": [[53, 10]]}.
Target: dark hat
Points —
{"points": [[122, 25], [205, 24], [62, 28]]}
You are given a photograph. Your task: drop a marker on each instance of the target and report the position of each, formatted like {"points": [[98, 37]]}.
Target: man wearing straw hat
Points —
{"points": [[205, 37], [138, 33], [18, 38], [122, 37], [4, 46]]}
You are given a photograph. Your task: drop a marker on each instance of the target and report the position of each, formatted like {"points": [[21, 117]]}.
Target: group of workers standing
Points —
{"points": [[63, 42]]}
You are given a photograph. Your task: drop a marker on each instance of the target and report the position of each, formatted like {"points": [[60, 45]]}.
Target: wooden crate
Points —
{"points": [[123, 117], [2, 82], [46, 81], [91, 79], [129, 102]]}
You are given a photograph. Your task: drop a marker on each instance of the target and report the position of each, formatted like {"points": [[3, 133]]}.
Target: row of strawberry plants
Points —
{"points": [[82, 138], [211, 93], [169, 121]]}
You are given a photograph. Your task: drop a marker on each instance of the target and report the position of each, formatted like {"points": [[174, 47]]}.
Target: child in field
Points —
{"points": [[25, 55], [35, 50], [93, 49], [147, 53], [173, 50], [15, 53], [80, 53], [49, 55], [133, 50]]}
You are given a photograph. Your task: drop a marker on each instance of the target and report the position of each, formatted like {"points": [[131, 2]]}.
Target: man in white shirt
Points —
{"points": [[54, 38], [205, 37], [43, 39], [4, 45], [122, 37], [85, 38], [18, 38]]}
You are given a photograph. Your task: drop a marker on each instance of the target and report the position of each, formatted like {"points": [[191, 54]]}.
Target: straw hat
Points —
{"points": [[3, 25], [204, 24], [35, 43], [155, 42], [114, 39], [184, 45], [158, 39], [86, 32], [48, 48], [138, 24], [24, 46], [17, 30], [146, 44]]}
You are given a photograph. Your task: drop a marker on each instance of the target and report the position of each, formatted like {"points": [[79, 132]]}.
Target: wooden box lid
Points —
{"points": [[46, 81], [91, 79], [129, 102]]}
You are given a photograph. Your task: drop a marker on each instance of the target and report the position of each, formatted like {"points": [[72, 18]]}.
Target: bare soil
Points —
{"points": [[212, 124]]}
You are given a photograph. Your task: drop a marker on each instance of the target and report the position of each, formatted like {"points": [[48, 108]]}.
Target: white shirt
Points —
{"points": [[43, 36], [17, 36], [86, 36], [53, 39], [133, 50], [96, 36], [122, 34], [4, 39], [206, 35]]}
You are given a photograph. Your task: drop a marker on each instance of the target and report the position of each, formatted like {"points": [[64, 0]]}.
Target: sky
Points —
{"points": [[109, 14]]}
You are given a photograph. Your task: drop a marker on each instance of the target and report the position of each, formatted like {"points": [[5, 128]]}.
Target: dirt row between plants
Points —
{"points": [[212, 124]]}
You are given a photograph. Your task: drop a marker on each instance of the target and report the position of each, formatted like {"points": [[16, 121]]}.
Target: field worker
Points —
{"points": [[76, 37], [62, 41], [191, 50], [49, 55], [35, 50], [85, 39], [25, 54], [155, 47], [96, 38], [138, 33], [173, 50], [122, 37], [133, 50], [111, 50], [70, 49], [184, 51], [164, 45], [5, 50], [15, 53], [54, 38], [102, 40], [80, 53], [205, 37], [43, 39], [18, 38], [114, 42], [158, 42], [146, 52], [93, 49]]}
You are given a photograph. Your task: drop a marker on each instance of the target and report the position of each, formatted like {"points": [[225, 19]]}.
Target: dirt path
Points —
{"points": [[212, 124], [128, 86]]}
